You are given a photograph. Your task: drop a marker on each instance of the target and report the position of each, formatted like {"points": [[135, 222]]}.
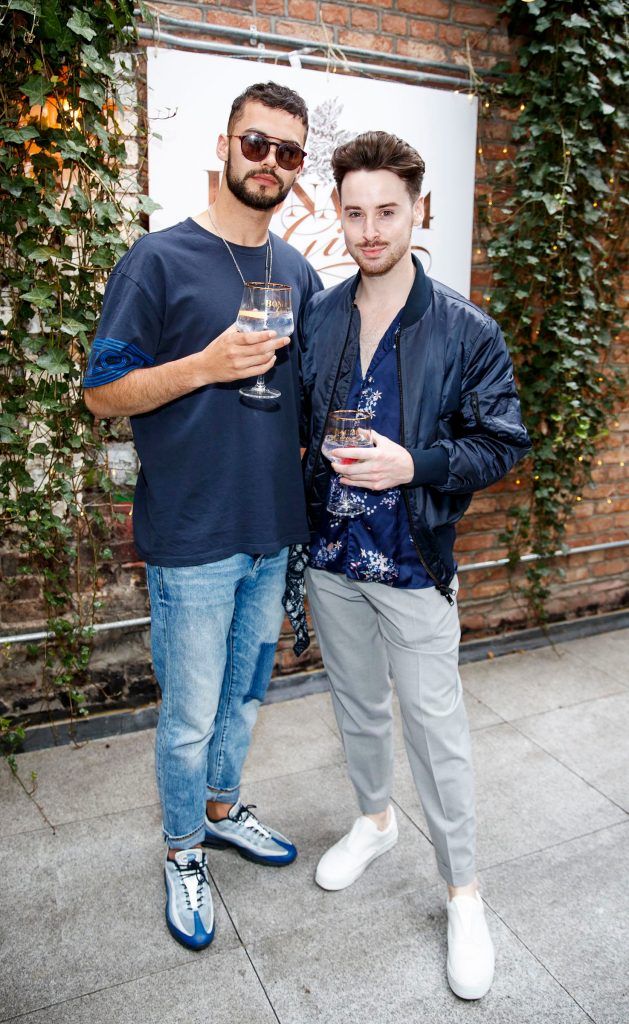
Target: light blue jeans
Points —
{"points": [[214, 629]]}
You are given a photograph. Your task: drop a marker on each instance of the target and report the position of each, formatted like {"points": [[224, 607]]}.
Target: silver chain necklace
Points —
{"points": [[268, 260]]}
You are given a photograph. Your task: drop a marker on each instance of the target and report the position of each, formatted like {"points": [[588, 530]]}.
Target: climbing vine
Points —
{"points": [[68, 211], [556, 254]]}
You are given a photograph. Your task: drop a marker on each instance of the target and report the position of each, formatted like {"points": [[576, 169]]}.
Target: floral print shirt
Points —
{"points": [[377, 545]]}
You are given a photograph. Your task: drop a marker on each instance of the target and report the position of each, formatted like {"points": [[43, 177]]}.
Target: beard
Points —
{"points": [[255, 200], [389, 258]]}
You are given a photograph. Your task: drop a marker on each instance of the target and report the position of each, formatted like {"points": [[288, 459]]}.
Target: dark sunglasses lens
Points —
{"points": [[254, 147], [289, 157]]}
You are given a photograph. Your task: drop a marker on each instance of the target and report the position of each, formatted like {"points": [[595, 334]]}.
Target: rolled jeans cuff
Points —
{"points": [[185, 842], [223, 796]]}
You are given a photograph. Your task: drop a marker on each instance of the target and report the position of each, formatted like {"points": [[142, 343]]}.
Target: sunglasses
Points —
{"points": [[256, 147]]}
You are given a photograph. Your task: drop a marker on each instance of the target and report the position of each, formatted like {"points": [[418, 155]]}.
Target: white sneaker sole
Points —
{"points": [[468, 991], [335, 886]]}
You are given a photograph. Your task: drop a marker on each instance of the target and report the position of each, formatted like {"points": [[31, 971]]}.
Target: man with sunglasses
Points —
{"points": [[219, 497]]}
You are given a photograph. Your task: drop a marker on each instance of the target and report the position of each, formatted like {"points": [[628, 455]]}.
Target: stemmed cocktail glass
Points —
{"points": [[346, 428], [265, 308]]}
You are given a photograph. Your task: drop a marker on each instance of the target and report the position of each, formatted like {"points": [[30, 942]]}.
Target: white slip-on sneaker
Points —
{"points": [[346, 860], [470, 949]]}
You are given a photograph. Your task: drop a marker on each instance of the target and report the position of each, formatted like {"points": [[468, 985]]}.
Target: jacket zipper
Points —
{"points": [[327, 413], [444, 590]]}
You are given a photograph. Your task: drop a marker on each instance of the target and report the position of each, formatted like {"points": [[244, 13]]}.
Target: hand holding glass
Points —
{"points": [[346, 428], [265, 308]]}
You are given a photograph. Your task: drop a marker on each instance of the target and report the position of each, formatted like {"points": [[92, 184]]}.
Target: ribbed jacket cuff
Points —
{"points": [[431, 466]]}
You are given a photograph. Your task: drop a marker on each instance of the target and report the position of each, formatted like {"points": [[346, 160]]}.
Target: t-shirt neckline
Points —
{"points": [[253, 250]]}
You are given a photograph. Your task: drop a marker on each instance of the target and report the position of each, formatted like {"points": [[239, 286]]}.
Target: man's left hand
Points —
{"points": [[385, 465]]}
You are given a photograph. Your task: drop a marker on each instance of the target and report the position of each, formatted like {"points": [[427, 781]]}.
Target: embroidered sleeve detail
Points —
{"points": [[111, 359]]}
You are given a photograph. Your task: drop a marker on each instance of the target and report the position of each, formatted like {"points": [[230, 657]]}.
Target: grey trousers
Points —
{"points": [[368, 632]]}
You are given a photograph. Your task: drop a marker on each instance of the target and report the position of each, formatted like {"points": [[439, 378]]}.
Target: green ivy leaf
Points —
{"points": [[576, 21], [39, 296], [147, 205], [81, 24], [73, 327], [36, 89], [70, 148], [552, 205], [18, 134], [28, 6], [93, 92], [54, 362], [43, 253]]}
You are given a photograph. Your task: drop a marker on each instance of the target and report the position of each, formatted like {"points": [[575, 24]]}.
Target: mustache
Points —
{"points": [[263, 170], [372, 244]]}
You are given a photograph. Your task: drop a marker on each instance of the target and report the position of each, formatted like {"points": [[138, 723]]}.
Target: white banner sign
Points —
{"points": [[189, 99]]}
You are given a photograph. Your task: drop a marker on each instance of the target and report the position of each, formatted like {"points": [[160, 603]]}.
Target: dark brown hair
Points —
{"points": [[271, 94], [379, 151]]}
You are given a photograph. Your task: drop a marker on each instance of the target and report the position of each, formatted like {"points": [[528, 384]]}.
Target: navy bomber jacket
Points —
{"points": [[460, 411]]}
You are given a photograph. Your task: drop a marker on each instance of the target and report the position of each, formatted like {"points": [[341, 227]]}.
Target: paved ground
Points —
{"points": [[81, 907]]}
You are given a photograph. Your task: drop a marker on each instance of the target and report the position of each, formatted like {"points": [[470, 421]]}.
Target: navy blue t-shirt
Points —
{"points": [[218, 475]]}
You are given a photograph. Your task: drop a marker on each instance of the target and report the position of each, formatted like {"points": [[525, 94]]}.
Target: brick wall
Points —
{"points": [[430, 30]]}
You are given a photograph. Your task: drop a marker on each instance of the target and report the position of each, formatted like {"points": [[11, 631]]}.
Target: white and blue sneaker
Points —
{"points": [[189, 908], [253, 840]]}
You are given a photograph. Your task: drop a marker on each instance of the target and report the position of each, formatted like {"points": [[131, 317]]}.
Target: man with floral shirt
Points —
{"points": [[434, 373]]}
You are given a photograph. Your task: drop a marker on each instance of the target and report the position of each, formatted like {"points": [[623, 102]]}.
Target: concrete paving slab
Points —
{"points": [[98, 777], [591, 739], [17, 812], [314, 809], [84, 909], [609, 652], [570, 907], [385, 964], [531, 682], [222, 989], [526, 800], [290, 737]]}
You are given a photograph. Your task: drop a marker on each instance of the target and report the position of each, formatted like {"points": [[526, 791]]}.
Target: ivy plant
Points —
{"points": [[556, 255], [68, 211]]}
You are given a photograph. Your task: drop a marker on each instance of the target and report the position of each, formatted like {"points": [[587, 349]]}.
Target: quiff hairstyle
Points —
{"points": [[271, 94], [379, 151]]}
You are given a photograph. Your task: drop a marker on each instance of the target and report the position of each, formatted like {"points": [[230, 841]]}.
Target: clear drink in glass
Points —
{"points": [[265, 308], [346, 428]]}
